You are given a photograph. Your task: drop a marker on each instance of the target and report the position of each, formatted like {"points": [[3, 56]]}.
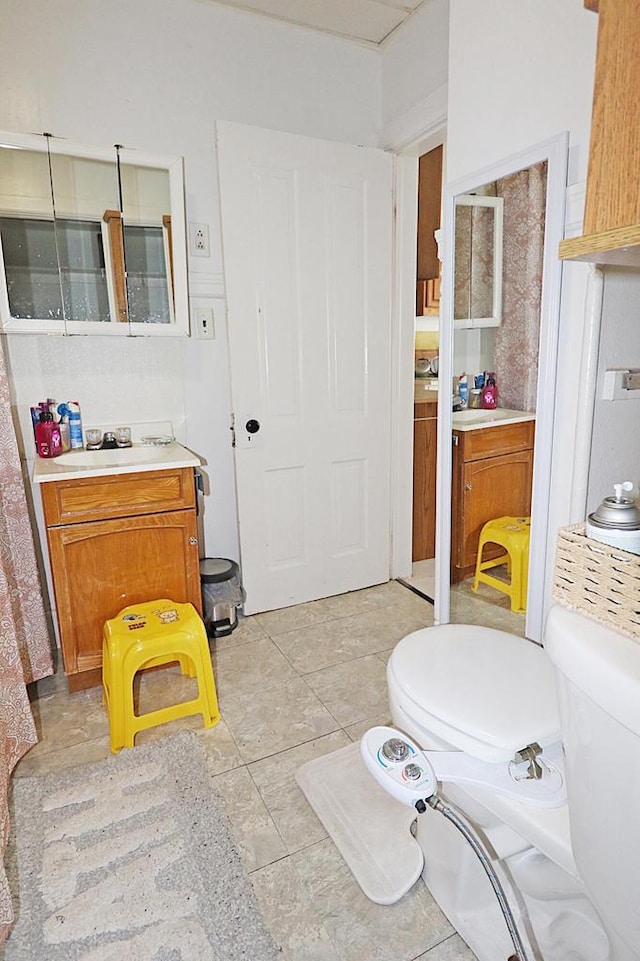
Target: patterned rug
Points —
{"points": [[130, 858]]}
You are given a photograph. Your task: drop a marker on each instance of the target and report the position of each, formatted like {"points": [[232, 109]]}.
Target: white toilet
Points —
{"points": [[574, 888]]}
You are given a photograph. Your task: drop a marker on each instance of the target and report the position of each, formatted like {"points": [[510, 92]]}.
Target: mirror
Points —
{"points": [[147, 244], [31, 282], [82, 189], [91, 240], [477, 297], [497, 311]]}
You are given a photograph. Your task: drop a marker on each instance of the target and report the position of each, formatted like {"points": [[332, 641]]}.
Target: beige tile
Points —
{"points": [[290, 915], [346, 638], [334, 642], [66, 719], [255, 833], [453, 949], [352, 691], [54, 761], [248, 629], [275, 780], [358, 602], [220, 748], [255, 666], [385, 655], [293, 618], [355, 731], [162, 688], [359, 928], [274, 719]]}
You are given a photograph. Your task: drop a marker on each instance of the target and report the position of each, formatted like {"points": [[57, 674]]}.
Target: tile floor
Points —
{"points": [[293, 685]]}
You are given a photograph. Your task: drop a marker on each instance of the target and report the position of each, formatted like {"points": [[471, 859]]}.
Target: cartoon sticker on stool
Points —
{"points": [[134, 621], [168, 617]]}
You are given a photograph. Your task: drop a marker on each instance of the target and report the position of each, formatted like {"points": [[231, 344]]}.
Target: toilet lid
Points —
{"points": [[483, 691]]}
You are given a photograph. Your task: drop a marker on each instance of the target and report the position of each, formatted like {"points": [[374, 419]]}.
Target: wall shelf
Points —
{"points": [[618, 247]]}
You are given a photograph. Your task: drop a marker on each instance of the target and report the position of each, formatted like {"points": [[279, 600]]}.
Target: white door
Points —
{"points": [[307, 252]]}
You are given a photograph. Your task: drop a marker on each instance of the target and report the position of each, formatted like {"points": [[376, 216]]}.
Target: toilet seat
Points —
{"points": [[456, 682]]}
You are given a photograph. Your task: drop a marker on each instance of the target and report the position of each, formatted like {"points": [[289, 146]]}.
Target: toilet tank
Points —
{"points": [[598, 677]]}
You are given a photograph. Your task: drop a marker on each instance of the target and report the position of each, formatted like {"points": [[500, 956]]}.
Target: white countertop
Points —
{"points": [[124, 460], [473, 419]]}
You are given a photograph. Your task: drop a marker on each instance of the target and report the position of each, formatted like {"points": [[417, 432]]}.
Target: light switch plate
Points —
{"points": [[203, 321]]}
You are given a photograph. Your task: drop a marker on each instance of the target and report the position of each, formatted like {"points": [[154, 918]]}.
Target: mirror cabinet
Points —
{"points": [[477, 296], [91, 240]]}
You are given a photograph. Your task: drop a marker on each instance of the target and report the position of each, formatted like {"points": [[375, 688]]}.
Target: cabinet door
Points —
{"points": [[424, 488], [493, 487], [103, 566]]}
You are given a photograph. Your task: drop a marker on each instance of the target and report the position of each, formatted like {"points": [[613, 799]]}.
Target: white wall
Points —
{"points": [[156, 76], [414, 72], [519, 73]]}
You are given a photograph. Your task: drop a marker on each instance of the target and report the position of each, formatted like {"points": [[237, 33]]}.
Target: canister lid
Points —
{"points": [[617, 512], [213, 570]]}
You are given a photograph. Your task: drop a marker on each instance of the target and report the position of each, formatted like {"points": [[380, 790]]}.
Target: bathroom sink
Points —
{"points": [[472, 419], [136, 454], [473, 416], [122, 460]]}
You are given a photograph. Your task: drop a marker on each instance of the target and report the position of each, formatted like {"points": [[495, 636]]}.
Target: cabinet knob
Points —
{"points": [[193, 541], [468, 487]]}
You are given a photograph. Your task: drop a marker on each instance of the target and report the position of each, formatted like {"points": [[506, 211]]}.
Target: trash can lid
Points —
{"points": [[213, 570]]}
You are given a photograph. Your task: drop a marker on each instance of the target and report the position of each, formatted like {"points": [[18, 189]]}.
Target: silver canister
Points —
{"points": [[616, 522]]}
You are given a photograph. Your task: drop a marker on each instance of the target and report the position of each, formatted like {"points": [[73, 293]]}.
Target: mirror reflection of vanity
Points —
{"points": [[478, 261], [91, 240]]}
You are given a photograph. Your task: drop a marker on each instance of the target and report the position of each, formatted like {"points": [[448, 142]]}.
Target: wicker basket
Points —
{"points": [[599, 581]]}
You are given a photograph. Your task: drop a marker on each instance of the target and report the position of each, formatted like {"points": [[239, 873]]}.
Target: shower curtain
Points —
{"points": [[516, 350], [25, 646]]}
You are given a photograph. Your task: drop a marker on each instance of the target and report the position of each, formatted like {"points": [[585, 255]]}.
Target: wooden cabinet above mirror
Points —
{"points": [[91, 240]]}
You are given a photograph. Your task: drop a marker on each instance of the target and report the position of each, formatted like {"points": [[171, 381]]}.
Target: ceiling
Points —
{"points": [[367, 21]]}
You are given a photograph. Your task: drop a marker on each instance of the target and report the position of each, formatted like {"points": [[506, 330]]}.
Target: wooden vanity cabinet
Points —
{"points": [[113, 541], [492, 476], [425, 430]]}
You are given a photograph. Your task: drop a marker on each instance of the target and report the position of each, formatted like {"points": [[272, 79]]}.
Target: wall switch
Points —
{"points": [[203, 321], [199, 240]]}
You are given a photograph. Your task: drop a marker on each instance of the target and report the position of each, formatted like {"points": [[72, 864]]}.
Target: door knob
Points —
{"points": [[468, 487], [252, 426]]}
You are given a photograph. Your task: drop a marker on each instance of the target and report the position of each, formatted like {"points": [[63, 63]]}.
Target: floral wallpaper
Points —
{"points": [[516, 349]]}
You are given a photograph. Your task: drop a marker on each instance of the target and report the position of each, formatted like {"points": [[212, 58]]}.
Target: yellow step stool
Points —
{"points": [[512, 534], [148, 635]]}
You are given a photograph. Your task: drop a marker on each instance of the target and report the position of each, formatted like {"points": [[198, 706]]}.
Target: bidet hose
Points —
{"points": [[459, 821]]}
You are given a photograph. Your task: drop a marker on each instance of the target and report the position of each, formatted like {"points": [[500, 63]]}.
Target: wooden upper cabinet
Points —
{"points": [[612, 208]]}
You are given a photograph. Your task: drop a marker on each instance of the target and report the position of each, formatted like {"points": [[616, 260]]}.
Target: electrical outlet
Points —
{"points": [[199, 240], [203, 320]]}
